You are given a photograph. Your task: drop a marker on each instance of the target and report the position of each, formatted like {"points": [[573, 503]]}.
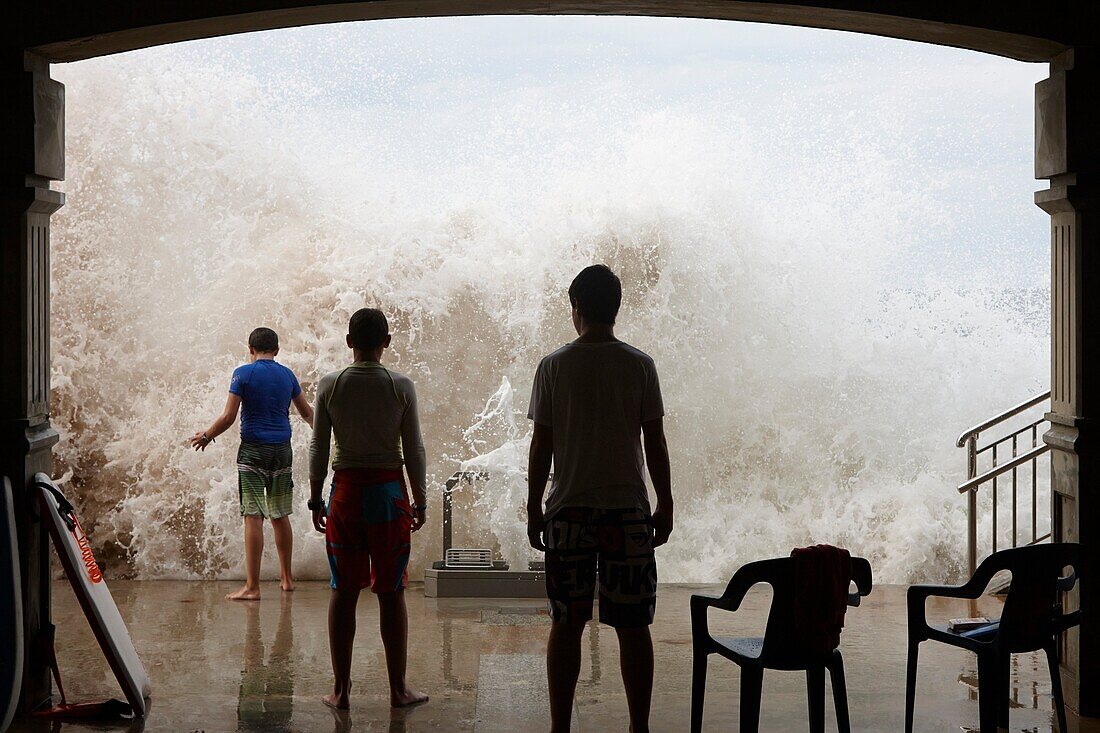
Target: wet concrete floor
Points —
{"points": [[263, 666]]}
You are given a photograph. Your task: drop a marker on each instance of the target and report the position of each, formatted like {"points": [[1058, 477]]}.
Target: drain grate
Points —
{"points": [[518, 616]]}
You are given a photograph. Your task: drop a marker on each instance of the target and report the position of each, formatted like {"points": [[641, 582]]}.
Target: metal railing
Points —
{"points": [[1030, 436], [449, 488]]}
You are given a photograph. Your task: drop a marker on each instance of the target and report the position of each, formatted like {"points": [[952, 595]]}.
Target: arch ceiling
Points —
{"points": [[69, 30]]}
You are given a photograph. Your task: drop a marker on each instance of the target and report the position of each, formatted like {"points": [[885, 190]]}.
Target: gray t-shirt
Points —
{"points": [[595, 397]]}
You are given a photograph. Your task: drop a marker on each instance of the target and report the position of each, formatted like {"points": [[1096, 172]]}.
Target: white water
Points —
{"points": [[814, 384]]}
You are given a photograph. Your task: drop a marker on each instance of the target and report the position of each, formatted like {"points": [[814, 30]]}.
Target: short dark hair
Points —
{"points": [[597, 293], [368, 328], [264, 340]]}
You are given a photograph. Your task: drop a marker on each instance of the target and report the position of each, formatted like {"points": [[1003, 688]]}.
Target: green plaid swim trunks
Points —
{"points": [[265, 479]]}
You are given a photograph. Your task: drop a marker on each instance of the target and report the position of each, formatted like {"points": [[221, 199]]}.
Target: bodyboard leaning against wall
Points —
{"points": [[91, 590], [11, 611]]}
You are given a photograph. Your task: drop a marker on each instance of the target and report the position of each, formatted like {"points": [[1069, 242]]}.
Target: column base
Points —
{"points": [[25, 449]]}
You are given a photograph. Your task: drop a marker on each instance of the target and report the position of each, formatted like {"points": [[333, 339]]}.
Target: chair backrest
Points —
{"points": [[1033, 612], [782, 647]]}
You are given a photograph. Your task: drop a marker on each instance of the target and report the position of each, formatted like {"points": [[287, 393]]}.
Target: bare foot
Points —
{"points": [[287, 586], [244, 594], [407, 697], [337, 702]]}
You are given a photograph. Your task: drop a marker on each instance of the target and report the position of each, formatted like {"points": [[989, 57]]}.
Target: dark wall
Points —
{"points": [[68, 30]]}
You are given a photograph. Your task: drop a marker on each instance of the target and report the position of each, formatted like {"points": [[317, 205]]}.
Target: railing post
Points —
{"points": [[448, 490], [1014, 507], [972, 505], [993, 482], [1035, 489]]}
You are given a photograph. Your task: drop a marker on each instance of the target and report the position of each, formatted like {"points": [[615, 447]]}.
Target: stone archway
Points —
{"points": [[1067, 154]]}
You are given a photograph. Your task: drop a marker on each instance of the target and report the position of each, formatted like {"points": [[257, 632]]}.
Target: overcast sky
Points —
{"points": [[494, 100]]}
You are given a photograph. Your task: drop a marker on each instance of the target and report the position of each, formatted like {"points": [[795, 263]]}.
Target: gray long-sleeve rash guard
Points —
{"points": [[371, 413]]}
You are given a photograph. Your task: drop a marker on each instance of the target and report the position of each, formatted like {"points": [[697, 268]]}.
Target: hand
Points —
{"points": [[536, 523], [420, 517], [319, 520], [662, 526], [199, 441]]}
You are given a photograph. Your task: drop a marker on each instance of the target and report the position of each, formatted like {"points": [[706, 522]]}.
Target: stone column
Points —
{"points": [[1067, 153], [32, 154]]}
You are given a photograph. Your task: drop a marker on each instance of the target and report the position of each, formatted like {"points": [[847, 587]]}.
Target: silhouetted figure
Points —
{"points": [[263, 390], [592, 402], [372, 414]]}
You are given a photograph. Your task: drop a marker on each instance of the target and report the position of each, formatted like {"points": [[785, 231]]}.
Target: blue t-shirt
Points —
{"points": [[266, 388]]}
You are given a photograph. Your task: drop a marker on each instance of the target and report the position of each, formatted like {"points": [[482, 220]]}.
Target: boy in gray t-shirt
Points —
{"points": [[592, 402]]}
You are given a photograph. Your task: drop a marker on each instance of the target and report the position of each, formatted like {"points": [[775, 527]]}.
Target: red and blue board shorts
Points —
{"points": [[368, 530]]}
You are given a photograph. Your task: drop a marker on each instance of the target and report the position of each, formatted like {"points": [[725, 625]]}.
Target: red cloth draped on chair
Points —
{"points": [[822, 575]]}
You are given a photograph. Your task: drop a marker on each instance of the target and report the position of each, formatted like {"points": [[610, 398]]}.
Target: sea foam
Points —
{"points": [[813, 392]]}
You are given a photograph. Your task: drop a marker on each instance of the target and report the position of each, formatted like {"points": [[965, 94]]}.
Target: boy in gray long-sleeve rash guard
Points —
{"points": [[370, 413]]}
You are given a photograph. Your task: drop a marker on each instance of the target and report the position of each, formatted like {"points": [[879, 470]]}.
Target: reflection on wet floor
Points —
{"points": [[263, 666], [265, 700]]}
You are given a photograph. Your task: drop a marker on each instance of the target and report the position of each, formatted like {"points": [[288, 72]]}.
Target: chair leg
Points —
{"points": [[911, 685], [698, 688], [1004, 683], [840, 693], [1056, 686], [752, 679], [989, 693], [815, 693]]}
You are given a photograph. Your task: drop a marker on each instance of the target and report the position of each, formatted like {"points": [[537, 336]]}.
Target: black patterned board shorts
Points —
{"points": [[613, 545]]}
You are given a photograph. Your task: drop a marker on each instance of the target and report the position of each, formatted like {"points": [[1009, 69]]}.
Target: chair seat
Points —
{"points": [[748, 648], [973, 639], [980, 633]]}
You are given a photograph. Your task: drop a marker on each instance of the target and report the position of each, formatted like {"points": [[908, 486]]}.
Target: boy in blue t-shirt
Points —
{"points": [[263, 389]]}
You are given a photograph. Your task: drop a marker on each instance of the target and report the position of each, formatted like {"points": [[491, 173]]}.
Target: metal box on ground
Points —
{"points": [[471, 572], [446, 583]]}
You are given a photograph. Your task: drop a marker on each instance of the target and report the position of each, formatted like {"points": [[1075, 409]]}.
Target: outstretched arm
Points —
{"points": [[223, 422], [656, 458], [301, 404], [538, 471]]}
